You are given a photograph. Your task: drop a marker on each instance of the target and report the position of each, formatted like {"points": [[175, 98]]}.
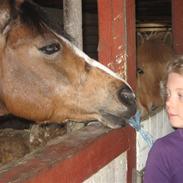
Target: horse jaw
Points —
{"points": [[113, 122]]}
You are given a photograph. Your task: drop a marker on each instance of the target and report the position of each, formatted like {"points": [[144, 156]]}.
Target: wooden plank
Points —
{"points": [[117, 51], [131, 42], [72, 11], [177, 25], [112, 35], [117, 46], [71, 158], [105, 31]]}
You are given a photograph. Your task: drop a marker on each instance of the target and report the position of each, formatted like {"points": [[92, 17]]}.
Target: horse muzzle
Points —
{"points": [[117, 119], [127, 98]]}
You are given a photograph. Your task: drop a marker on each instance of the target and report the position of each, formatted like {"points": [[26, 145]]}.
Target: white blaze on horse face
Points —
{"points": [[93, 62], [97, 64]]}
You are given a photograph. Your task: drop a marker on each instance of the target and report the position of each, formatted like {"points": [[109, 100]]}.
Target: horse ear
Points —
{"points": [[4, 16], [168, 38], [140, 38]]}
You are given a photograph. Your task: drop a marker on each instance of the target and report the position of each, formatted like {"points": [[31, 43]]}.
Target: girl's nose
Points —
{"points": [[170, 102]]}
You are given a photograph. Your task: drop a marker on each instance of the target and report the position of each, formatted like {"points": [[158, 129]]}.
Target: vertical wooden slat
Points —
{"points": [[105, 31], [117, 37], [117, 51], [177, 25], [112, 35], [131, 156], [73, 20], [131, 42]]}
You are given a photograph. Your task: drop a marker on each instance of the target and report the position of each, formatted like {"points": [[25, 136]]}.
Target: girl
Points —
{"points": [[165, 159]]}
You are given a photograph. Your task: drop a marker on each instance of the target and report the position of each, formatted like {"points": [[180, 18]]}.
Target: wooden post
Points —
{"points": [[112, 35], [73, 20], [117, 37], [72, 10], [131, 42], [177, 25], [117, 51]]}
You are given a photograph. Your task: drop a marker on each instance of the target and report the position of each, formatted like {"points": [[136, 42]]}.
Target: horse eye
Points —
{"points": [[50, 49]]}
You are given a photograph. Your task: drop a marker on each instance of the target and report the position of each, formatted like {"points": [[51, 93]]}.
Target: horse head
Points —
{"points": [[153, 55], [45, 78]]}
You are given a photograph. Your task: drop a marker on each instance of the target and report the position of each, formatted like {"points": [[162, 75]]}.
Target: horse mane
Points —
{"points": [[34, 16], [163, 36], [30, 14]]}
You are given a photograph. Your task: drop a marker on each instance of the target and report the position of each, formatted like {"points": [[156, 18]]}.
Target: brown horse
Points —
{"points": [[152, 57], [45, 78]]}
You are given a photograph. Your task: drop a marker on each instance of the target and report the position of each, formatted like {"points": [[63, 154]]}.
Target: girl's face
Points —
{"points": [[174, 101]]}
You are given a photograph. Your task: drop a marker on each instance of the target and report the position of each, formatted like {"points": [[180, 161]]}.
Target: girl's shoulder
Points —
{"points": [[169, 141]]}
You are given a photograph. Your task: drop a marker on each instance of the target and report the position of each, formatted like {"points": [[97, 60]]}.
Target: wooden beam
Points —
{"points": [[73, 21], [117, 50], [131, 42], [112, 35], [71, 158], [177, 25], [117, 37]]}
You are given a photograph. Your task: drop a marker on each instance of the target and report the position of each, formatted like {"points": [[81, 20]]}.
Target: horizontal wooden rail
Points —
{"points": [[73, 158]]}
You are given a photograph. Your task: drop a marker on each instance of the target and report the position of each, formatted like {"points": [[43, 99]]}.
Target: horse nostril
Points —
{"points": [[126, 96]]}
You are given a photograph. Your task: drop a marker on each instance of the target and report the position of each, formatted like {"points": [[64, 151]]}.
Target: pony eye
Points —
{"points": [[140, 71], [50, 49]]}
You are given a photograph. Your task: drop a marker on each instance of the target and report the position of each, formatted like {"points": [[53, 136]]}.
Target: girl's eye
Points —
{"points": [[180, 96]]}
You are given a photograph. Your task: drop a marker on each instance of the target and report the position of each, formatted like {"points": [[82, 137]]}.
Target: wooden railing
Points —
{"points": [[73, 158]]}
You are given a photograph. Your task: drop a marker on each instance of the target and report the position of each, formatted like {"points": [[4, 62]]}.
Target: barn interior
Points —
{"points": [[150, 15]]}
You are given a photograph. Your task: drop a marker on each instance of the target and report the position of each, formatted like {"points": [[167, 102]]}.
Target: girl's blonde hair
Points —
{"points": [[175, 66]]}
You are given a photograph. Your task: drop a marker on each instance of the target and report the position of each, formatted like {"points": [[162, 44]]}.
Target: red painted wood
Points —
{"points": [[177, 25], [117, 41], [131, 42], [112, 42], [117, 37], [72, 158], [105, 31], [131, 157]]}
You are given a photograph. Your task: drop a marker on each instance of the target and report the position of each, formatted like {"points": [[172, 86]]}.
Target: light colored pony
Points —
{"points": [[153, 55]]}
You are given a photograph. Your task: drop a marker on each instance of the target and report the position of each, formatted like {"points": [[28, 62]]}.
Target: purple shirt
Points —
{"points": [[165, 160]]}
